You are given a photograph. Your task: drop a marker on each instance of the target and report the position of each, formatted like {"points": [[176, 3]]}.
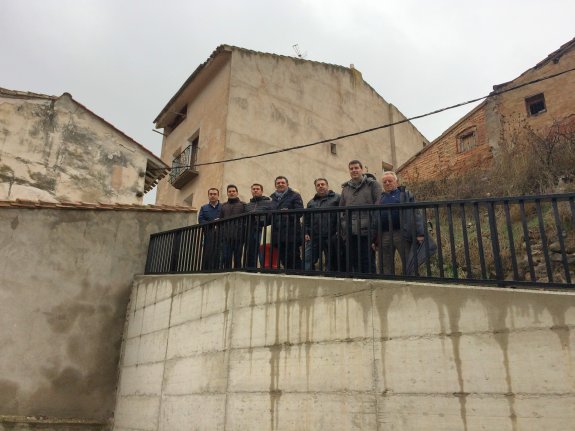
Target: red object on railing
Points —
{"points": [[265, 250]]}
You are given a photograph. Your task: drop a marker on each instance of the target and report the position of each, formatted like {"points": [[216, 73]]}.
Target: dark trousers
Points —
{"points": [[210, 255], [317, 248], [232, 254], [253, 249], [289, 255], [360, 254]]}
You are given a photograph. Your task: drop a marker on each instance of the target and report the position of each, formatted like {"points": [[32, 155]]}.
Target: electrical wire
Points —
{"points": [[384, 126]]}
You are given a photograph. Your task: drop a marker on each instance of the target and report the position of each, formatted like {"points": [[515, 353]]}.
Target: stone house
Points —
{"points": [[472, 142], [241, 102], [53, 148]]}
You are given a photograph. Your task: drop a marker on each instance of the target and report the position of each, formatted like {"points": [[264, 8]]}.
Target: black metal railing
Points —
{"points": [[513, 241]]}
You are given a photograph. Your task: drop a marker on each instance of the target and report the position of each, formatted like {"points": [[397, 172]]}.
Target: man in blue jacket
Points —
{"points": [[399, 228], [210, 212], [287, 234]]}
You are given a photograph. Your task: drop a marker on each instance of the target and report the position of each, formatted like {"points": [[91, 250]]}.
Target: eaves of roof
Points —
{"points": [[554, 57], [224, 48], [23, 203]]}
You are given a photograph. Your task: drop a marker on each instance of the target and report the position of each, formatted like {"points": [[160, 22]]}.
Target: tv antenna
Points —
{"points": [[298, 52]]}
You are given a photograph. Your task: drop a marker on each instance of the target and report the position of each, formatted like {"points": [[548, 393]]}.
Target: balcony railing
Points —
{"points": [[183, 167], [518, 241]]}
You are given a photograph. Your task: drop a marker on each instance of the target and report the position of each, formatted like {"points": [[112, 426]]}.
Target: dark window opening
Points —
{"points": [[178, 119], [535, 104], [333, 148], [467, 140]]}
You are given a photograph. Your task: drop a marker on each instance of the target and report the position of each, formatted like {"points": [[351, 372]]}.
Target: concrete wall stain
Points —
{"points": [[8, 396]]}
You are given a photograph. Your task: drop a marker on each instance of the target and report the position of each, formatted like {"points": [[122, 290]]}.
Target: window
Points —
{"points": [[467, 140], [333, 148], [535, 104]]}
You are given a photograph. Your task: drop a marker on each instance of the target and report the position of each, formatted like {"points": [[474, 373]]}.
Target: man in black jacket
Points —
{"points": [[286, 229], [258, 204], [321, 228], [233, 232]]}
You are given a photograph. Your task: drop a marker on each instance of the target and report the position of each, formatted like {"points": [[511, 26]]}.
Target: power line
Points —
{"points": [[384, 126]]}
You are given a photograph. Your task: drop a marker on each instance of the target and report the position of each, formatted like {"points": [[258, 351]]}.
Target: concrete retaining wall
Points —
{"points": [[261, 352], [65, 281]]}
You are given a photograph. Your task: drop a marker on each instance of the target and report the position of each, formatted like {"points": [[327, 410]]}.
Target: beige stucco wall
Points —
{"points": [[207, 114], [240, 351], [65, 280], [265, 102], [56, 150]]}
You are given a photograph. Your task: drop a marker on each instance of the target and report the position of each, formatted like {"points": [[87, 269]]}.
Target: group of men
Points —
{"points": [[329, 240]]}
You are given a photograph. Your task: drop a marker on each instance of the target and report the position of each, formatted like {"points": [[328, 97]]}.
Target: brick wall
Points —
{"points": [[442, 158]]}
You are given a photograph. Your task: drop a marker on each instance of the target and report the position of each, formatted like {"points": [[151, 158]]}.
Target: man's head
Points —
{"points": [[389, 181], [232, 191], [257, 190], [321, 186], [355, 170], [213, 195], [281, 184]]}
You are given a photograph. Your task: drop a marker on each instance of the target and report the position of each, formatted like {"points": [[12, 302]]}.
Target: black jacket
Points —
{"points": [[322, 224], [283, 224], [234, 229], [261, 203]]}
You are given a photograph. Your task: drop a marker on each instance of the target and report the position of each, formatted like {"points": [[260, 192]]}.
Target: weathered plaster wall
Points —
{"points": [[277, 102], [207, 115], [54, 149], [65, 279], [239, 351]]}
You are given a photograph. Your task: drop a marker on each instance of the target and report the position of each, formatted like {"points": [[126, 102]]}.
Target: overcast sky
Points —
{"points": [[125, 59]]}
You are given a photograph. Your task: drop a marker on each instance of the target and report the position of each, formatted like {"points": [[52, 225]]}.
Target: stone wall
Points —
{"points": [[65, 280], [261, 352]]}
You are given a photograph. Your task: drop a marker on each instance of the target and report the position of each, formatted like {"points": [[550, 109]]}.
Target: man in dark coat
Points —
{"points": [[399, 228], [210, 212], [359, 190], [321, 228], [286, 228], [233, 232], [258, 205]]}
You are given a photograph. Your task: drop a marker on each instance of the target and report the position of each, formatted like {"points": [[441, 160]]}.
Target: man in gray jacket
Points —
{"points": [[355, 225]]}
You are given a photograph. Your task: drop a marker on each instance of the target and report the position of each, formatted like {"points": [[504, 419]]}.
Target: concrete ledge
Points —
{"points": [[241, 351], [25, 423]]}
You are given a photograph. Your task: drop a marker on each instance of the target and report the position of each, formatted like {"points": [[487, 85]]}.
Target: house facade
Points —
{"points": [[241, 103], [53, 148], [510, 111]]}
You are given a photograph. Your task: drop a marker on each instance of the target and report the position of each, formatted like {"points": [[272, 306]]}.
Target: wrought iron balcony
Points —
{"points": [[183, 167]]}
